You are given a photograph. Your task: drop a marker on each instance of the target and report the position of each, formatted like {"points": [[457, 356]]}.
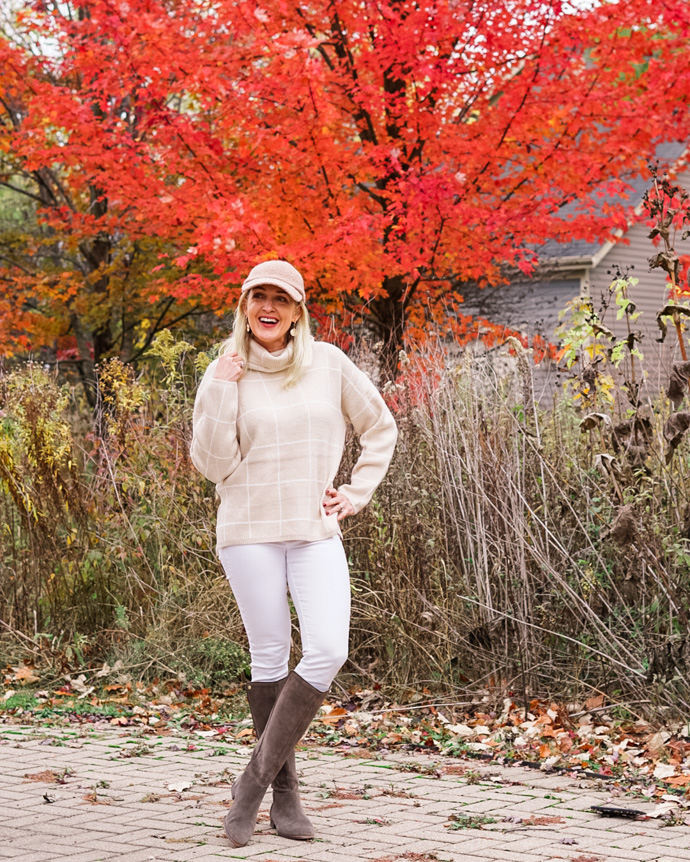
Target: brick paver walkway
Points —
{"points": [[127, 794]]}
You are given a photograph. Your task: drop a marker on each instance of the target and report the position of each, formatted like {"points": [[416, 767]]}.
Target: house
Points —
{"points": [[567, 270]]}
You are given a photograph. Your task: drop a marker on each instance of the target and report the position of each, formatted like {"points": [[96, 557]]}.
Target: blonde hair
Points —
{"points": [[302, 340]]}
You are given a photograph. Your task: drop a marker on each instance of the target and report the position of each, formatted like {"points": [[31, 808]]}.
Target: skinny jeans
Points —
{"points": [[317, 577]]}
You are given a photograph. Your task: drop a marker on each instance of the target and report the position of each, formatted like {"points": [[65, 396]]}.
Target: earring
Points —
{"points": [[293, 331], [249, 329]]}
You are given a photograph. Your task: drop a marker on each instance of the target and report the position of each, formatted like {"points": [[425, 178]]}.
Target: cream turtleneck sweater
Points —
{"points": [[272, 451]]}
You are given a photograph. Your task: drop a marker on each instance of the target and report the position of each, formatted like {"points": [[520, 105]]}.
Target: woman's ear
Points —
{"points": [[298, 313]]}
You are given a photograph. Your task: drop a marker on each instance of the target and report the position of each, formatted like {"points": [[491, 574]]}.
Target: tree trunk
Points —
{"points": [[389, 316], [98, 341]]}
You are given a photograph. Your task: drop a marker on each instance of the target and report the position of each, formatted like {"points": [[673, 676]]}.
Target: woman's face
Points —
{"points": [[271, 313]]}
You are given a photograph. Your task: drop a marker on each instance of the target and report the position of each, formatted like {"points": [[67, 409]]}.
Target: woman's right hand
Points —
{"points": [[230, 367]]}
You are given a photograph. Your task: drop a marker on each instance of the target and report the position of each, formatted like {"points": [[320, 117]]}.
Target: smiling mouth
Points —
{"points": [[268, 321]]}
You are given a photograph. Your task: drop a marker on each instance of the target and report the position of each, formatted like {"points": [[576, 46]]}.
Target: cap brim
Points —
{"points": [[277, 282]]}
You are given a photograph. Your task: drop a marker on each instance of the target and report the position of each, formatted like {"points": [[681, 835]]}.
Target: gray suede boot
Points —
{"points": [[287, 815], [289, 719]]}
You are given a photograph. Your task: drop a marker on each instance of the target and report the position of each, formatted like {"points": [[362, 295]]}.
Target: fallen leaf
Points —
{"points": [[48, 775], [94, 799], [657, 741], [664, 771], [327, 709], [344, 793], [243, 734], [664, 808], [461, 730], [333, 716], [25, 674], [679, 780], [79, 684], [180, 786]]}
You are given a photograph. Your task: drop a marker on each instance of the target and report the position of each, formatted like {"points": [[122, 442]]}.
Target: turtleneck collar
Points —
{"points": [[261, 360]]}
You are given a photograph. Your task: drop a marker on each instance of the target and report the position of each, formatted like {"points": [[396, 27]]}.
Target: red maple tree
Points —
{"points": [[391, 150]]}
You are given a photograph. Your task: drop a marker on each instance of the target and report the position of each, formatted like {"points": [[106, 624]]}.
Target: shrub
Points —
{"points": [[519, 550]]}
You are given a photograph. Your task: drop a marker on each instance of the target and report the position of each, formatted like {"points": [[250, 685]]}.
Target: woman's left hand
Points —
{"points": [[338, 504]]}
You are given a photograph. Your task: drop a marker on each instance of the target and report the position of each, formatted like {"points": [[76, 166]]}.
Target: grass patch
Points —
{"points": [[469, 821]]}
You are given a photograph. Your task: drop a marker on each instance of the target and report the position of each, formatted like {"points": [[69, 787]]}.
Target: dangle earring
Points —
{"points": [[249, 329], [293, 331]]}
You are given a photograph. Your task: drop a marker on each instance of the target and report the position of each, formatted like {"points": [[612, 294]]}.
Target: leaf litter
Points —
{"points": [[580, 739]]}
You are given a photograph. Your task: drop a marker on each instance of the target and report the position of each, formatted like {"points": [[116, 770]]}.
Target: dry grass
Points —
{"points": [[496, 554]]}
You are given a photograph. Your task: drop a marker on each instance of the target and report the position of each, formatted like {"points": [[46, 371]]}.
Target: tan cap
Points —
{"points": [[281, 274]]}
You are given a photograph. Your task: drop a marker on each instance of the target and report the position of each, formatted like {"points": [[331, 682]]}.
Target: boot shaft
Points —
{"points": [[261, 697], [288, 721]]}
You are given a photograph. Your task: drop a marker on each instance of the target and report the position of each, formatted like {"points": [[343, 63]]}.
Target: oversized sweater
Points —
{"points": [[272, 451]]}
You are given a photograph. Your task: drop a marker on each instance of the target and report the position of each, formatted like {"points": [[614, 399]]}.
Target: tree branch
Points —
{"points": [[24, 192]]}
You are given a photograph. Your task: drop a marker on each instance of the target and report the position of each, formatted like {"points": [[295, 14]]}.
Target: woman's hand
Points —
{"points": [[338, 504], [230, 367]]}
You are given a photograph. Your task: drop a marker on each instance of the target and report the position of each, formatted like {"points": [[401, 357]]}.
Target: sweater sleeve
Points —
{"points": [[373, 422], [215, 449]]}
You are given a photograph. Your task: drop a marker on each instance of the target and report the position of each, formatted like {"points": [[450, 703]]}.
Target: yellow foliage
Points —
{"points": [[121, 395], [36, 442]]}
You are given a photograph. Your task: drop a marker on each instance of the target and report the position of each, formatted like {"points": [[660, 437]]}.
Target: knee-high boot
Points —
{"points": [[287, 815], [289, 719]]}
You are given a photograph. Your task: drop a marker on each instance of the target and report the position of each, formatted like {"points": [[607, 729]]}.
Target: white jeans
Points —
{"points": [[319, 582]]}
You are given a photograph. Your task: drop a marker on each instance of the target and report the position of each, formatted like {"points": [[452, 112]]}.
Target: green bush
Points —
{"points": [[218, 662]]}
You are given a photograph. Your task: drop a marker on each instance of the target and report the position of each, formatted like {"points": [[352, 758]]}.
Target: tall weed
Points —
{"points": [[505, 549], [512, 548]]}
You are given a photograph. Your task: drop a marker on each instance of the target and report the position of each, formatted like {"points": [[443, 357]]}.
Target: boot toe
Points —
{"points": [[237, 834], [240, 820]]}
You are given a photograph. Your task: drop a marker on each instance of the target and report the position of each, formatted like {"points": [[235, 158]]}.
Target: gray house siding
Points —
{"points": [[530, 307], [566, 271], [649, 295]]}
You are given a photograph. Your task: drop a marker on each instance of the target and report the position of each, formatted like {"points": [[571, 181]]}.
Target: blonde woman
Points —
{"points": [[269, 429]]}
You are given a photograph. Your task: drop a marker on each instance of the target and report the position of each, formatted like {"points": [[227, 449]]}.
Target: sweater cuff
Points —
{"points": [[358, 500]]}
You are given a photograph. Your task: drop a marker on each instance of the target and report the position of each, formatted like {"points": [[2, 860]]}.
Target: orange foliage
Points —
{"points": [[390, 150]]}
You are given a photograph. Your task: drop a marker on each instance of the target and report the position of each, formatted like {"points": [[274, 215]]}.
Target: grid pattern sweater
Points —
{"points": [[272, 452]]}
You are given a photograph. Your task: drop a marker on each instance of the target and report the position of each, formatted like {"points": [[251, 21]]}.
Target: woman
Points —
{"points": [[269, 429]]}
